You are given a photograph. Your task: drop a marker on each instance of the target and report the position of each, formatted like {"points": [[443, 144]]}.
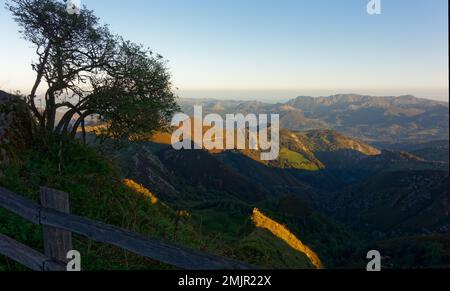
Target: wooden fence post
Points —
{"points": [[57, 242]]}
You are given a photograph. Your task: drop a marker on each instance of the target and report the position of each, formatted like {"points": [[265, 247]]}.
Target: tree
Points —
{"points": [[88, 71]]}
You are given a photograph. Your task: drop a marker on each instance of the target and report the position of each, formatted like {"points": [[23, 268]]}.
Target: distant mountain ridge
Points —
{"points": [[372, 119]]}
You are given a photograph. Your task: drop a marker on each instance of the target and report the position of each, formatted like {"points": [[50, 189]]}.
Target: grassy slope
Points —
{"points": [[294, 160], [263, 248], [97, 192], [298, 149]]}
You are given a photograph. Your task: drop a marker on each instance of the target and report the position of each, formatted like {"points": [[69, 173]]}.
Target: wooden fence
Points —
{"points": [[58, 225]]}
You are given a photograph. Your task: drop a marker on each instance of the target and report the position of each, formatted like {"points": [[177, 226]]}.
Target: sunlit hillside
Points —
{"points": [[140, 189], [283, 233]]}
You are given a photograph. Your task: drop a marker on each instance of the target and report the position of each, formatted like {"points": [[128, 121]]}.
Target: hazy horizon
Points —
{"points": [[274, 96]]}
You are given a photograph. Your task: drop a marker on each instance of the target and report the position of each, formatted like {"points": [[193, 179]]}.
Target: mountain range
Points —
{"points": [[325, 187], [373, 119], [343, 183], [352, 169]]}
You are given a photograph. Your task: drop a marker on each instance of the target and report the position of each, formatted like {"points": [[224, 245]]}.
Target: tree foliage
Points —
{"points": [[86, 71]]}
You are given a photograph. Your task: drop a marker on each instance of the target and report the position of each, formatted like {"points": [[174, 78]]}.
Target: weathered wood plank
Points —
{"points": [[57, 242], [148, 247], [27, 256], [19, 205]]}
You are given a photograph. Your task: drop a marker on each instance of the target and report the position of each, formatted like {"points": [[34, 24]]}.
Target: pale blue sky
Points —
{"points": [[272, 49]]}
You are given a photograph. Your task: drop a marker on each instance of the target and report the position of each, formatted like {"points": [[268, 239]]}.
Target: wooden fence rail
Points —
{"points": [[51, 219], [27, 256]]}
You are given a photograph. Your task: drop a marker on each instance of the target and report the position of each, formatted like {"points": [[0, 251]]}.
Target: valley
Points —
{"points": [[335, 194], [222, 135], [325, 186]]}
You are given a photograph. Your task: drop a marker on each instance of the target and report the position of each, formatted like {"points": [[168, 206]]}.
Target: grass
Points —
{"points": [[291, 159], [261, 248], [97, 191]]}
